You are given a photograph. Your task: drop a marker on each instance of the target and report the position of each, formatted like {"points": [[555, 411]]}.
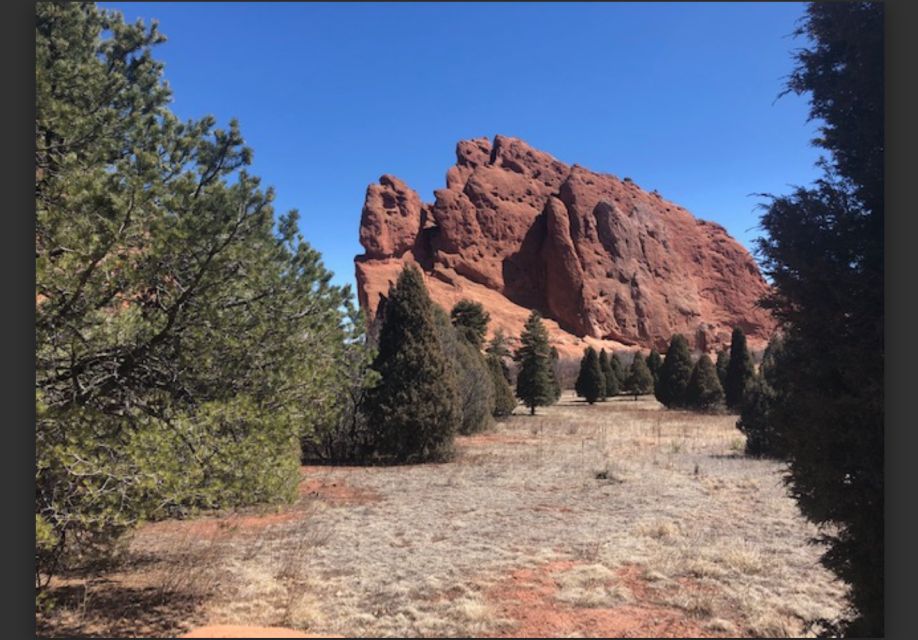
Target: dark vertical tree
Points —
{"points": [[824, 252], [654, 362], [723, 363], [640, 380], [756, 421], [618, 368], [613, 384], [740, 370], [504, 400], [555, 374], [414, 409], [476, 393], [675, 373], [591, 383], [534, 381], [471, 321], [704, 391]]}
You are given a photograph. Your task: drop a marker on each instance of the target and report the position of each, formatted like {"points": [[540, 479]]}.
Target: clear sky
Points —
{"points": [[680, 97]]}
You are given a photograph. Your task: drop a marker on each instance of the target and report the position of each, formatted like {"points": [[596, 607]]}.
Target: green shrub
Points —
{"points": [[704, 391], [675, 373]]}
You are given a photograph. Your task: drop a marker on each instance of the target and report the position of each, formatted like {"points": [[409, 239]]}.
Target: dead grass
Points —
{"points": [[629, 519]]}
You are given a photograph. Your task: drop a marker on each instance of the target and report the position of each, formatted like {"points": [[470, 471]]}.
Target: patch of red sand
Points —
{"points": [[214, 527], [528, 597], [242, 631], [334, 490]]}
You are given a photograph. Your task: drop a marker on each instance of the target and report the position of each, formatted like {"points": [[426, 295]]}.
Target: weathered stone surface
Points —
{"points": [[608, 263]]}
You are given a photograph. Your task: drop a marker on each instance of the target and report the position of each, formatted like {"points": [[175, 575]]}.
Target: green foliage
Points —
{"points": [[345, 436], [756, 420], [591, 383], [555, 375], [504, 400], [740, 370], [613, 383], [654, 362], [414, 409], [675, 373], [183, 342], [704, 391], [471, 321], [476, 392], [825, 255], [497, 346], [722, 364], [620, 371], [534, 385], [640, 380]]}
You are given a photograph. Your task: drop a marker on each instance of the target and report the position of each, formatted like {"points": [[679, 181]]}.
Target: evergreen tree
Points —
{"points": [[415, 408], [675, 373], [476, 393], [533, 381], [186, 336], [497, 346], [555, 375], [504, 400], [620, 371], [722, 364], [704, 391], [612, 383], [640, 380], [591, 383], [654, 362], [824, 252], [739, 370], [471, 321], [756, 420]]}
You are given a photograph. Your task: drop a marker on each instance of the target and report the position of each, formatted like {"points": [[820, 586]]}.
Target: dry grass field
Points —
{"points": [[618, 519]]}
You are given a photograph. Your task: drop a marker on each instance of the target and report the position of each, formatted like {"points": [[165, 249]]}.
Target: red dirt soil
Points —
{"points": [[242, 631], [528, 598]]}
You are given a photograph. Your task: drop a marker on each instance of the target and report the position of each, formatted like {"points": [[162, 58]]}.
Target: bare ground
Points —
{"points": [[619, 519]]}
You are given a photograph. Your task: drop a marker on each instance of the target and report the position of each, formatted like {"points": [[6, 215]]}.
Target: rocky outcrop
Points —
{"points": [[606, 262]]}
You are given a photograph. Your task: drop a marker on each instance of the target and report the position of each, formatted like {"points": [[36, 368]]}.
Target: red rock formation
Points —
{"points": [[606, 263]]}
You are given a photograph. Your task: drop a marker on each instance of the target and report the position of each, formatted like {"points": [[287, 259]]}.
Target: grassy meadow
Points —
{"points": [[617, 519]]}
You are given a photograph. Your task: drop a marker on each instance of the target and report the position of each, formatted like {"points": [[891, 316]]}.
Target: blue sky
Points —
{"points": [[681, 97]]}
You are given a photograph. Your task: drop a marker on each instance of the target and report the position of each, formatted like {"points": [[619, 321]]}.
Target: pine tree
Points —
{"points": [[497, 346], [723, 362], [476, 393], [739, 371], [675, 373], [613, 384], [590, 382], [533, 381], [555, 374], [640, 380], [824, 252], [471, 321], [621, 372], [504, 400], [187, 337], [414, 408], [704, 391], [654, 362], [756, 419]]}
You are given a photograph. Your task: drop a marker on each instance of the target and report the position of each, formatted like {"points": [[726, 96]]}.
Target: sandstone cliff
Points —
{"points": [[606, 262]]}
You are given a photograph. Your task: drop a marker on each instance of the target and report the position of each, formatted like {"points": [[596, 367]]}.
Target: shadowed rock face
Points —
{"points": [[608, 263]]}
